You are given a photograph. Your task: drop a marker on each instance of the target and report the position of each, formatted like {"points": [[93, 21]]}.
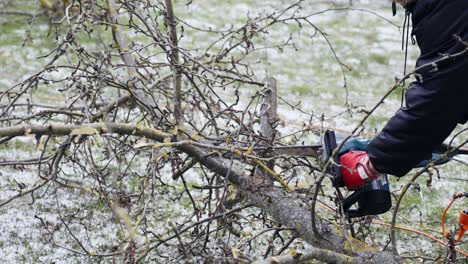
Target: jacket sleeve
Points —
{"points": [[435, 103], [432, 111]]}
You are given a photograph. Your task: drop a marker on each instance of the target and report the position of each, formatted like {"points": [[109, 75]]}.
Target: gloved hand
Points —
{"points": [[373, 199], [356, 170], [362, 144], [371, 189], [372, 192]]}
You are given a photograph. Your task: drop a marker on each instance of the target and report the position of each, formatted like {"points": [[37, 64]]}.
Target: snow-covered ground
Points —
{"points": [[307, 72]]}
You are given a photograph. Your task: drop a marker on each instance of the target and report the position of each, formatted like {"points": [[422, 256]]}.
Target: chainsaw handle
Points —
{"points": [[370, 202], [351, 200], [372, 199]]}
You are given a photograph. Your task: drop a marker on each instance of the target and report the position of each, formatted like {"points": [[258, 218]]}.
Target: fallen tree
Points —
{"points": [[180, 110]]}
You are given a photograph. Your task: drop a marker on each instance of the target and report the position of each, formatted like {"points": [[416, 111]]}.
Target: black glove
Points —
{"points": [[373, 199]]}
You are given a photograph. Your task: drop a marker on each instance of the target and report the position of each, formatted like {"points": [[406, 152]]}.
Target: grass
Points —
{"points": [[309, 74], [379, 58], [18, 145]]}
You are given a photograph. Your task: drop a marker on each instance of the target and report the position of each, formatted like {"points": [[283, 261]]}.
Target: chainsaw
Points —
{"points": [[374, 198]]}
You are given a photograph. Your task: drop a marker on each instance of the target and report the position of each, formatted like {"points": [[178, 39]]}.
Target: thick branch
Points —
{"points": [[311, 254], [284, 207]]}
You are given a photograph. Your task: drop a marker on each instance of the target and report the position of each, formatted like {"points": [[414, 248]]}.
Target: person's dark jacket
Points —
{"points": [[438, 100]]}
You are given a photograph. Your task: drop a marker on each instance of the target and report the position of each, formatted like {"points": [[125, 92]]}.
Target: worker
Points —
{"points": [[435, 103]]}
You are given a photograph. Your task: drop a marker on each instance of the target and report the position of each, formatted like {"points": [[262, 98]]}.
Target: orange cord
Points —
{"points": [[456, 196], [444, 215], [422, 234], [405, 229]]}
